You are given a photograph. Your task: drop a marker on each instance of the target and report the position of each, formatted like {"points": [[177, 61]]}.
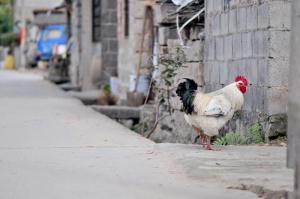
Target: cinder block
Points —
{"points": [[192, 70], [263, 16], [211, 49], [216, 26], [163, 36], [224, 23], [242, 19], [218, 5], [234, 3], [228, 47], [276, 99], [215, 73], [220, 48], [161, 12], [113, 17], [113, 45], [233, 21], [248, 96], [262, 69], [109, 31], [194, 33], [252, 17], [279, 43], [241, 67], [251, 71], [261, 43], [278, 72], [209, 6], [194, 51], [207, 71], [233, 70], [258, 98], [237, 46], [247, 44], [224, 73], [280, 14]]}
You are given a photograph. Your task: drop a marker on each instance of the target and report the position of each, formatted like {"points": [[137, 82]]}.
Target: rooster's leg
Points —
{"points": [[201, 134], [208, 146]]}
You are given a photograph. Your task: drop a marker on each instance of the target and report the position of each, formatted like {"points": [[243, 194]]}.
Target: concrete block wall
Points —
{"points": [[109, 39], [129, 46], [250, 38]]}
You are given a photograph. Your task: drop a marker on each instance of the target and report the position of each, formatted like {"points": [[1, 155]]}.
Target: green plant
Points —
{"points": [[8, 39], [140, 127], [6, 18], [169, 64], [105, 88], [220, 141], [231, 139], [254, 134]]}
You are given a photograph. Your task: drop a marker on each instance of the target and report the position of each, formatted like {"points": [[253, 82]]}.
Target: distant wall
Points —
{"points": [[109, 40], [251, 38], [94, 61], [128, 57]]}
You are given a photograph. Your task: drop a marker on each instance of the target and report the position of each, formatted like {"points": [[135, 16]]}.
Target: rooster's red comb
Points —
{"points": [[241, 78]]}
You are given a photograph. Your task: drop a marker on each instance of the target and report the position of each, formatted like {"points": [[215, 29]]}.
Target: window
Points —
{"points": [[96, 20], [126, 11], [52, 34]]}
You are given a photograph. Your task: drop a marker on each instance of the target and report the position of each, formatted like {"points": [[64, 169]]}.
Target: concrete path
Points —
{"points": [[53, 147]]}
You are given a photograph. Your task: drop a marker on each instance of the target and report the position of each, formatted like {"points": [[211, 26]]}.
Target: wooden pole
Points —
{"points": [[294, 99]]}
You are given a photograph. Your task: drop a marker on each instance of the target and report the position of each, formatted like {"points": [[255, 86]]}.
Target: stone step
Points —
{"points": [[118, 112]]}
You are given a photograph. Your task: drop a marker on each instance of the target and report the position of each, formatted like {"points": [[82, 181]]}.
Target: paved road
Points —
{"points": [[53, 147]]}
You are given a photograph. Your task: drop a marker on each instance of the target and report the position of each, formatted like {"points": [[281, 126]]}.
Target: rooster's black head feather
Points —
{"points": [[186, 91]]}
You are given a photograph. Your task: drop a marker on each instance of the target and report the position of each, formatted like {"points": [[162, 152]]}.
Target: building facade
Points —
{"points": [[233, 37]]}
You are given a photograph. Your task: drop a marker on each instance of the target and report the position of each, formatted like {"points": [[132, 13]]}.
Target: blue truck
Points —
{"points": [[52, 40]]}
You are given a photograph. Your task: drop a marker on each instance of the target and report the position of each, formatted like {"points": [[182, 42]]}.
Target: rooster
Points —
{"points": [[207, 113]]}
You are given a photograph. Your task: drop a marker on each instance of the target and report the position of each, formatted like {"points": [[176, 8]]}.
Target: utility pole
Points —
{"points": [[294, 100]]}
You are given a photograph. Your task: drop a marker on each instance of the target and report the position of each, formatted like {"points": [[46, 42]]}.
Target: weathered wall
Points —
{"points": [[89, 49], [93, 61], [109, 39], [128, 57], [250, 38], [76, 49]]}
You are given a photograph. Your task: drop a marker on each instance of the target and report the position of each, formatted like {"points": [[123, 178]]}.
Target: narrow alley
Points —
{"points": [[63, 149]]}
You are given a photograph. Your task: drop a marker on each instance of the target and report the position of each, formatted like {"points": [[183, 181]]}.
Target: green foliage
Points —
{"points": [[254, 134], [7, 39], [6, 19], [171, 66], [105, 88], [5, 2], [140, 127], [230, 139], [220, 141]]}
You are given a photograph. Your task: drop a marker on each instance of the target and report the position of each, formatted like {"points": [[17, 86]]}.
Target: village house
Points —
{"points": [[230, 37]]}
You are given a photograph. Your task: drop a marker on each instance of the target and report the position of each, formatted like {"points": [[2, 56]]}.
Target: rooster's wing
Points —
{"points": [[219, 105]]}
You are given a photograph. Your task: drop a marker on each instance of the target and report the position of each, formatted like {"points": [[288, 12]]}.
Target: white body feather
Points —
{"points": [[214, 110]]}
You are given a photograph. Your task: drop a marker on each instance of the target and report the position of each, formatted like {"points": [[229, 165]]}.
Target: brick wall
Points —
{"points": [[251, 38], [109, 38]]}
